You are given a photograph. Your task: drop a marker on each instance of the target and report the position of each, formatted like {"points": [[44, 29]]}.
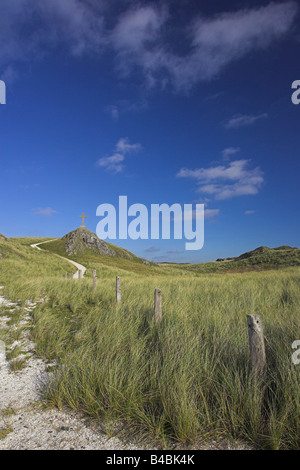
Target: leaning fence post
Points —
{"points": [[79, 273], [157, 305], [94, 279], [71, 275], [118, 289], [66, 275], [257, 344]]}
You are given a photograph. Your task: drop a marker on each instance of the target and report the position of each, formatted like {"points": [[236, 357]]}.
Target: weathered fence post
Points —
{"points": [[61, 276], [118, 289], [157, 305], [66, 275], [71, 275], [79, 273], [257, 344], [94, 279]]}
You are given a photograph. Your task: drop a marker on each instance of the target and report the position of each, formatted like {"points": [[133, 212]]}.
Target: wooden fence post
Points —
{"points": [[66, 275], [94, 279], [157, 305], [71, 275], [118, 289], [61, 276], [257, 344], [79, 273]]}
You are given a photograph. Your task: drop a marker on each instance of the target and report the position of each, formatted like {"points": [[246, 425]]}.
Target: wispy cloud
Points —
{"points": [[249, 212], [47, 211], [28, 29], [113, 111], [229, 151], [139, 36], [226, 181], [209, 213], [241, 120], [114, 163], [214, 42], [125, 106], [152, 249], [191, 214], [124, 146]]}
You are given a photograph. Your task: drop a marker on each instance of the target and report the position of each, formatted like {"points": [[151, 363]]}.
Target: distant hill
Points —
{"points": [[262, 258], [286, 255]]}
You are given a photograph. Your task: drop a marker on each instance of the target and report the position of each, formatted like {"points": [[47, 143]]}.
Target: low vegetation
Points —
{"points": [[187, 379]]}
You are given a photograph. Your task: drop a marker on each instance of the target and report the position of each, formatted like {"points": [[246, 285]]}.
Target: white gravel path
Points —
{"points": [[77, 265], [23, 418]]}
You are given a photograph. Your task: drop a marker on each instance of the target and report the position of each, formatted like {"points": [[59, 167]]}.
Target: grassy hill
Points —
{"points": [[260, 259], [121, 260], [80, 245], [24, 270]]}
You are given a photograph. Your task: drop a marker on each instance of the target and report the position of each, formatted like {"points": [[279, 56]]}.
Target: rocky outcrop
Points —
{"points": [[82, 238]]}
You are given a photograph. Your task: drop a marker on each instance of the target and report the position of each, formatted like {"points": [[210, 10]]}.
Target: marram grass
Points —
{"points": [[185, 379]]}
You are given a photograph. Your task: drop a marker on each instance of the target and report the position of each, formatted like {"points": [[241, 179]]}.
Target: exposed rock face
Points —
{"points": [[82, 238]]}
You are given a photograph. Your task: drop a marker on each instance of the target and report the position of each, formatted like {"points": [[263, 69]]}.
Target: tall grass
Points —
{"points": [[187, 378]]}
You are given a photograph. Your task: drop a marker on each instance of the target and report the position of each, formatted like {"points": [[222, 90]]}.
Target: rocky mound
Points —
{"points": [[82, 238]]}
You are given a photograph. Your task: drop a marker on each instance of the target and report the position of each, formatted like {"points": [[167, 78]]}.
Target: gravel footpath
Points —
{"points": [[24, 421], [77, 265]]}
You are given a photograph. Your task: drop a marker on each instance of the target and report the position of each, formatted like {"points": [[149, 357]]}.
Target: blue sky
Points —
{"points": [[165, 102]]}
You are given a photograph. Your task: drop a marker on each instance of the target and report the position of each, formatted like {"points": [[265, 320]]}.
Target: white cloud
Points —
{"points": [[224, 182], [242, 120], [136, 27], [140, 37], [123, 146], [114, 163], [209, 213], [214, 42], [249, 212], [28, 28], [226, 153], [47, 211]]}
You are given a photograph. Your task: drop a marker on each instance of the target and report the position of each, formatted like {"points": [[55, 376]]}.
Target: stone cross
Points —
{"points": [[83, 217]]}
